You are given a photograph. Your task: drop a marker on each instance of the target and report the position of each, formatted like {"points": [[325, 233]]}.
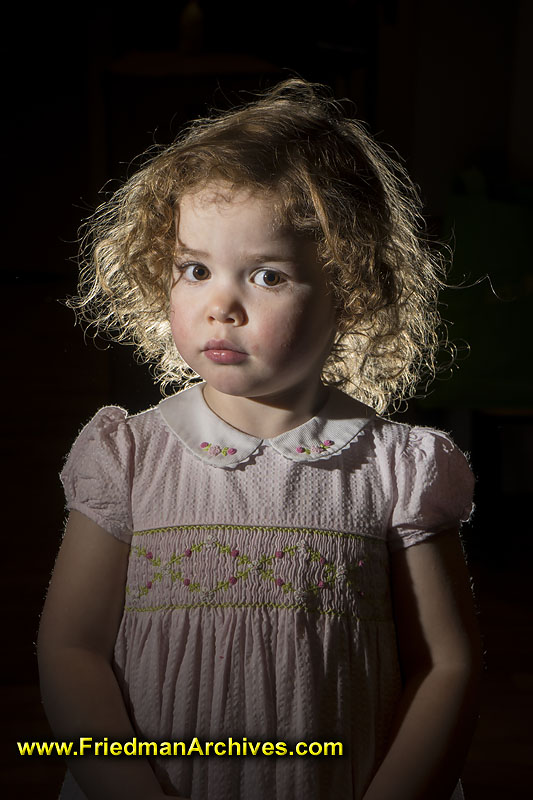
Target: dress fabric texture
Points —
{"points": [[257, 603]]}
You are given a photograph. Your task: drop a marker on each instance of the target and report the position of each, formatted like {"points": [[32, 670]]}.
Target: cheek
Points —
{"points": [[297, 328], [277, 323], [314, 318], [179, 323]]}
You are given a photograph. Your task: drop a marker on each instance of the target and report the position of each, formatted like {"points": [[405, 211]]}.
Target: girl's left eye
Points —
{"points": [[268, 278]]}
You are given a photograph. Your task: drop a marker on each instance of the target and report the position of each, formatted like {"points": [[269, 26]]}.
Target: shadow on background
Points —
{"points": [[445, 84]]}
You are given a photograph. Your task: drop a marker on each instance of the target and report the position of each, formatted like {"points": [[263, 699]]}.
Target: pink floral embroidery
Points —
{"points": [[316, 448], [149, 585], [216, 450], [187, 552], [233, 580], [234, 553], [279, 553], [279, 581]]}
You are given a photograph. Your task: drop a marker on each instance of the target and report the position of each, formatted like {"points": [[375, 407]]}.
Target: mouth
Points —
{"points": [[222, 344], [223, 352]]}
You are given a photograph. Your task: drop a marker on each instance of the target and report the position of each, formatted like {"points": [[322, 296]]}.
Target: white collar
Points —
{"points": [[213, 440]]}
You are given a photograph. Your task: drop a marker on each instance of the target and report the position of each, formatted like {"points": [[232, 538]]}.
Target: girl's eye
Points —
{"points": [[268, 278], [194, 272]]}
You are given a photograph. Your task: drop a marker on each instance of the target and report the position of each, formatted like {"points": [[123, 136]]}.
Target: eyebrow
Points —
{"points": [[190, 252], [256, 257]]}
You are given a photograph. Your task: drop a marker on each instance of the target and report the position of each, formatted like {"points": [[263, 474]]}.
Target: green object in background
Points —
{"points": [[493, 314]]}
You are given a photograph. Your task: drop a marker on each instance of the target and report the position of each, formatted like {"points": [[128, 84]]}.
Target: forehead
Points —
{"points": [[224, 201], [239, 222]]}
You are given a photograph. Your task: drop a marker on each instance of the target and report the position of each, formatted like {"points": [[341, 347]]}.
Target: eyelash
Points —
{"points": [[182, 269]]}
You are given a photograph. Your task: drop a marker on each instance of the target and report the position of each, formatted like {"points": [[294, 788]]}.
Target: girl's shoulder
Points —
{"points": [[432, 482], [420, 454], [99, 469], [114, 423], [112, 428], [108, 428], [114, 442], [407, 439]]}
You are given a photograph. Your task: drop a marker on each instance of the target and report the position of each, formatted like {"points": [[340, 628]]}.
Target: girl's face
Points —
{"points": [[250, 308]]}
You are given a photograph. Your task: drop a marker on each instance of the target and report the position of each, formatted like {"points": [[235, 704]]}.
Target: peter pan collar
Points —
{"points": [[213, 440]]}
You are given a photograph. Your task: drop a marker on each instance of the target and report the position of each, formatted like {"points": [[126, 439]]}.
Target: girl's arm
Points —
{"points": [[440, 655], [77, 635]]}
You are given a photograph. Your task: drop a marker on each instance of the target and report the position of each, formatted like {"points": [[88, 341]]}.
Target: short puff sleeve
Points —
{"points": [[434, 488], [97, 474]]}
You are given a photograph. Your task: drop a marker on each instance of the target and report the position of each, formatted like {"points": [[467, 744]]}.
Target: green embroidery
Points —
{"points": [[142, 551], [330, 575], [265, 528], [288, 606]]}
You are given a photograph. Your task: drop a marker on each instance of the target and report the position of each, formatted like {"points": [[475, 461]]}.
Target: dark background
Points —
{"points": [[448, 85]]}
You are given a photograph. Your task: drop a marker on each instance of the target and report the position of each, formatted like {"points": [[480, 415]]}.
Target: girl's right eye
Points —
{"points": [[193, 272]]}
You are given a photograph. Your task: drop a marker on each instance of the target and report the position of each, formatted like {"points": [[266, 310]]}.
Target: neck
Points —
{"points": [[267, 417]]}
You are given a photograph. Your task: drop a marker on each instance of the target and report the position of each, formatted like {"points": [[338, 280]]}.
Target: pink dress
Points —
{"points": [[257, 603]]}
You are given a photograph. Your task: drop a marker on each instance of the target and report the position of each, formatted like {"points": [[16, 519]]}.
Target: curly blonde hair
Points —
{"points": [[334, 184]]}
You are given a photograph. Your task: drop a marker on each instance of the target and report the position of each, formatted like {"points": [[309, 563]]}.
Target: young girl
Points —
{"points": [[262, 557]]}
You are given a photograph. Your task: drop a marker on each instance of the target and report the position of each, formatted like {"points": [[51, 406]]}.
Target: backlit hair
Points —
{"points": [[333, 183]]}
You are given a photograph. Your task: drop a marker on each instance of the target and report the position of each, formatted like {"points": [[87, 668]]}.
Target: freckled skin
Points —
{"points": [[286, 329]]}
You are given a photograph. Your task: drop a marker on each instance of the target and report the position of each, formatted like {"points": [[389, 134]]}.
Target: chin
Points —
{"points": [[236, 388], [238, 385], [225, 383]]}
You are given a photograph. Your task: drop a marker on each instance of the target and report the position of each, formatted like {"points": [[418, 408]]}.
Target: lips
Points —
{"points": [[222, 344], [220, 351]]}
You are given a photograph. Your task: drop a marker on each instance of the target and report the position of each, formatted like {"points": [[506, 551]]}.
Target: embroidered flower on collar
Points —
{"points": [[222, 446], [316, 448], [216, 450]]}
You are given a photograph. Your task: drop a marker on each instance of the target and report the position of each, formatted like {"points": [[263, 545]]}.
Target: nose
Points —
{"points": [[226, 307]]}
